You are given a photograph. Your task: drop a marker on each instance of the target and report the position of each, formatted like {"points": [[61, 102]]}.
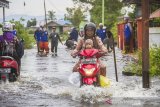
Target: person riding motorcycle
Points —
{"points": [[15, 48], [90, 33]]}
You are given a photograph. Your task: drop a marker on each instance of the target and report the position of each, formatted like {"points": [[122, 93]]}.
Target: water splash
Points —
{"points": [[91, 94]]}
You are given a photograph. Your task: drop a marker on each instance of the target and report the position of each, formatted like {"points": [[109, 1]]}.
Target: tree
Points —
{"points": [[22, 32], [51, 15], [31, 22], [75, 15], [153, 7], [112, 10]]}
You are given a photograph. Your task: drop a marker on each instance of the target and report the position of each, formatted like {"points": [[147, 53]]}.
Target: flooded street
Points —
{"points": [[48, 82]]}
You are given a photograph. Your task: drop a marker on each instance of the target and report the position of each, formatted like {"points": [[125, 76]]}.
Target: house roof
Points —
{"points": [[155, 14], [59, 23], [63, 22], [4, 3], [54, 23], [139, 1]]}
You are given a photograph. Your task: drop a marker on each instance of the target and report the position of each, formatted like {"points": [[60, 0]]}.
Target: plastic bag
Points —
{"points": [[74, 78], [104, 82]]}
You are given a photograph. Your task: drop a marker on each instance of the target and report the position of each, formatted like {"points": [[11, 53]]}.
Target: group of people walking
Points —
{"points": [[106, 36], [41, 36]]}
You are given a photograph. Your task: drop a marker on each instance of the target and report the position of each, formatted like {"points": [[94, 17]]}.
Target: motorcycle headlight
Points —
{"points": [[89, 71]]}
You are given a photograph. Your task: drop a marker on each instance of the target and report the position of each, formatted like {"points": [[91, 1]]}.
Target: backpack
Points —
{"points": [[20, 48]]}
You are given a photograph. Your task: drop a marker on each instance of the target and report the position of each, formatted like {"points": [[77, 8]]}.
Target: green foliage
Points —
{"points": [[153, 7], [31, 22], [114, 31], [23, 33], [155, 22], [111, 11], [155, 60], [31, 32], [51, 15], [133, 14], [1, 25], [75, 15], [64, 36], [136, 67]]}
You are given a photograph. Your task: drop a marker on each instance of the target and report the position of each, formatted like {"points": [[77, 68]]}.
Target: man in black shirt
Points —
{"points": [[54, 41]]}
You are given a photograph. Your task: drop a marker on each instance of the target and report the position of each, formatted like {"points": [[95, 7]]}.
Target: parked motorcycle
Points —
{"points": [[89, 67]]}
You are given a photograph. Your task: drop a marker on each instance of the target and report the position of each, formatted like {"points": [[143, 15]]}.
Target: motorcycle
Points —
{"points": [[71, 44], [89, 67], [9, 68]]}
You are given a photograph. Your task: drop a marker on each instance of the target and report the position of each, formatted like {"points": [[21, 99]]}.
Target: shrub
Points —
{"points": [[31, 32], [155, 60], [136, 67]]}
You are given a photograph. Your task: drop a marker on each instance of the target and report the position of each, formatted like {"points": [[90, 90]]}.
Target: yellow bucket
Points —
{"points": [[104, 81]]}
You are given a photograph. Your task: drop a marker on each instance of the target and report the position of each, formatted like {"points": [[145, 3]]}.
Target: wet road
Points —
{"points": [[48, 82]]}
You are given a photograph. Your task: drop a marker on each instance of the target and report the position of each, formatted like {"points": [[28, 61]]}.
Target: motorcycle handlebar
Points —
{"points": [[98, 54]]}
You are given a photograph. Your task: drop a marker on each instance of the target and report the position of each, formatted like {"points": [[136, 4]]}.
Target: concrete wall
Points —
{"points": [[154, 36]]}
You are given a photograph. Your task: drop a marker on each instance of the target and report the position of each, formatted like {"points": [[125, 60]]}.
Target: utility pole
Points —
{"points": [[145, 44], [45, 13], [3, 14], [103, 12]]}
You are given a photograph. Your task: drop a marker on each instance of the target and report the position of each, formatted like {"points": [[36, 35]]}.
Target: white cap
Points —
{"points": [[100, 24]]}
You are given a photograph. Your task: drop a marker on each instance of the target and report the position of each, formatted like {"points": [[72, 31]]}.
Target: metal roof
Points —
{"points": [[4, 3], [139, 1], [155, 14]]}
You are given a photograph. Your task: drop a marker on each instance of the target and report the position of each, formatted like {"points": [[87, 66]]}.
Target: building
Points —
{"points": [[154, 31], [61, 25], [4, 4]]}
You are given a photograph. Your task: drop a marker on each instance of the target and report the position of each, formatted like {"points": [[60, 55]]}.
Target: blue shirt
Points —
{"points": [[101, 33], [74, 35], [38, 35], [44, 36], [127, 32]]}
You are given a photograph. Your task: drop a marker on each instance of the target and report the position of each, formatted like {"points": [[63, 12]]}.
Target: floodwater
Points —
{"points": [[49, 82]]}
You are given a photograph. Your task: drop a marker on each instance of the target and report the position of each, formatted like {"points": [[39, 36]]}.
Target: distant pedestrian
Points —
{"points": [[127, 34], [74, 34], [101, 33], [54, 41], [44, 41], [109, 40], [81, 32], [37, 35]]}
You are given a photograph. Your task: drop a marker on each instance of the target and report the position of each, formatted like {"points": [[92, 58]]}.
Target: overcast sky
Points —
{"points": [[36, 7]]}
